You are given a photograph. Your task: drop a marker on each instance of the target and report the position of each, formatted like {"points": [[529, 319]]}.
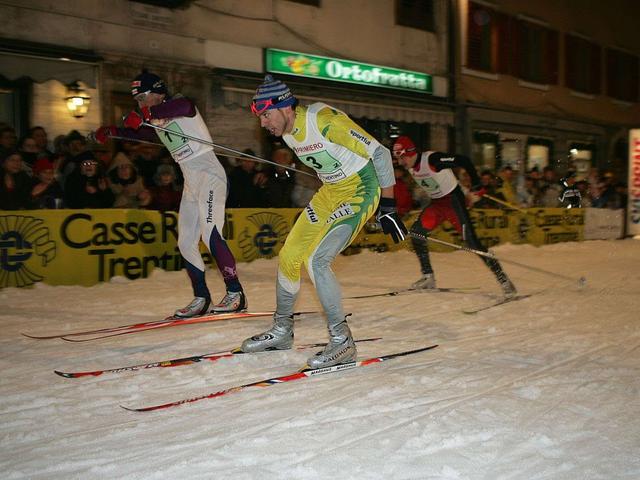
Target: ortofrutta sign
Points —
{"points": [[337, 70]]}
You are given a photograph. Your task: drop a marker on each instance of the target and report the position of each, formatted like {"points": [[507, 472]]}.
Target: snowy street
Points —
{"points": [[547, 387]]}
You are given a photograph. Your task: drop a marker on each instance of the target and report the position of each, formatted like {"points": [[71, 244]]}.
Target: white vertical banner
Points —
{"points": [[633, 207]]}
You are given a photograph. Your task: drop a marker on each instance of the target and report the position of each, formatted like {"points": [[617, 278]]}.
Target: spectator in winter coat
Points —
{"points": [[246, 185], [280, 181], [39, 135], [125, 183], [550, 189], [15, 184], [165, 194], [46, 191], [88, 187], [29, 151]]}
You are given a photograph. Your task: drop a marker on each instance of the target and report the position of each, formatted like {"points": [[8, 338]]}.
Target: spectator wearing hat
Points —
{"points": [[125, 183], [46, 191], [87, 186], [355, 170], [75, 148], [15, 184], [202, 207], [165, 193]]}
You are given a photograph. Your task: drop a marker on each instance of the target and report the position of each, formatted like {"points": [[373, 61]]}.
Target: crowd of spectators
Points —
{"points": [[76, 174]]}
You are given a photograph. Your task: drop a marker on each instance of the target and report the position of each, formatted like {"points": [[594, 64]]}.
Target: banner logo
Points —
{"points": [[263, 236], [24, 244]]}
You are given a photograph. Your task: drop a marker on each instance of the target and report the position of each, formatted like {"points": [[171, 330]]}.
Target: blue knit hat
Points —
{"points": [[270, 94]]}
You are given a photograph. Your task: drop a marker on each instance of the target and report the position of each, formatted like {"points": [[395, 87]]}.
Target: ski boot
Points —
{"points": [[231, 302], [198, 306], [426, 282], [340, 349], [278, 337]]}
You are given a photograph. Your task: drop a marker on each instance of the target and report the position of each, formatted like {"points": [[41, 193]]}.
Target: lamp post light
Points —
{"points": [[77, 100]]}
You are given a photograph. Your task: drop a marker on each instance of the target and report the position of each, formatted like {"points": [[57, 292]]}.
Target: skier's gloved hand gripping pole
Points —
{"points": [[581, 281], [390, 221], [222, 147]]}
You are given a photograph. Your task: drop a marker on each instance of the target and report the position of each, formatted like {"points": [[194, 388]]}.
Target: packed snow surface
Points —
{"points": [[547, 387]]}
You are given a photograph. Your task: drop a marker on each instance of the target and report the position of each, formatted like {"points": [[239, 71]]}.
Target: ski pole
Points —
{"points": [[506, 204], [222, 147], [128, 139], [581, 281], [136, 140]]}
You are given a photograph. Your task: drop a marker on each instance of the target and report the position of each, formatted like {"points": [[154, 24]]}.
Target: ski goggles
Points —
{"points": [[400, 152], [141, 97], [259, 106]]}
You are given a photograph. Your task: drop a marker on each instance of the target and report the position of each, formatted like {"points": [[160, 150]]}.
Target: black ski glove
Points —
{"points": [[389, 221]]}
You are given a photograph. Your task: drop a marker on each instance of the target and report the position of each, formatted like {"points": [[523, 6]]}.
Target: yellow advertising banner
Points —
{"points": [[85, 247]]}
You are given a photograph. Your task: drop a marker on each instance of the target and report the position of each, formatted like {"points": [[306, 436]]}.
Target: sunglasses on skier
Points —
{"points": [[141, 97], [397, 153], [259, 106]]}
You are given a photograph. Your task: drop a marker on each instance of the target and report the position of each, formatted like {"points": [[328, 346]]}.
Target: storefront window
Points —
{"points": [[539, 151], [484, 151], [511, 153], [581, 158]]}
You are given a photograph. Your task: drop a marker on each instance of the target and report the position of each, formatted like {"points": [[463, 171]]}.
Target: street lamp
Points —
{"points": [[77, 100]]}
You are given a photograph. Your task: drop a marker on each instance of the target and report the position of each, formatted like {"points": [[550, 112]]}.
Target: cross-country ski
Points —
{"points": [[90, 335], [406, 291], [167, 322], [303, 373], [497, 303], [178, 362]]}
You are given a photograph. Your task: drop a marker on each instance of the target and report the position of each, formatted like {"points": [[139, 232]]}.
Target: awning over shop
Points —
{"points": [[42, 62], [241, 98]]}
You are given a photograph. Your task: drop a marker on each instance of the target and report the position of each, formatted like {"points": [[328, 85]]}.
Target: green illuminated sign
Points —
{"points": [[325, 68]]}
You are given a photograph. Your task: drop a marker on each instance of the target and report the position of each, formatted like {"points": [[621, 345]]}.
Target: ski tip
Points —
{"points": [[129, 409], [63, 374], [35, 337]]}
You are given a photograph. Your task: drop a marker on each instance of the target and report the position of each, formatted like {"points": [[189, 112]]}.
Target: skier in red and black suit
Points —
{"points": [[432, 172]]}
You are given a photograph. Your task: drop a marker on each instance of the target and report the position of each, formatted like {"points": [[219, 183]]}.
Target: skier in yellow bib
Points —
{"points": [[357, 175]]}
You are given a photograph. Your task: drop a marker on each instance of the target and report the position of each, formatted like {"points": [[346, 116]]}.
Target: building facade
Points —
{"points": [[385, 63], [547, 83]]}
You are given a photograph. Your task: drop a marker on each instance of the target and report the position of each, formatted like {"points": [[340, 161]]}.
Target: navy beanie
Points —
{"points": [[272, 90], [147, 82]]}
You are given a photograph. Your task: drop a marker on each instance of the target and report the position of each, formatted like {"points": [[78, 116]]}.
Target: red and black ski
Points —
{"points": [[143, 326], [305, 372], [178, 362]]}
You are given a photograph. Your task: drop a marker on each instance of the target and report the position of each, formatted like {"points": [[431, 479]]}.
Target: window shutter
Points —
{"points": [[596, 68], [506, 43], [552, 57], [474, 37]]}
